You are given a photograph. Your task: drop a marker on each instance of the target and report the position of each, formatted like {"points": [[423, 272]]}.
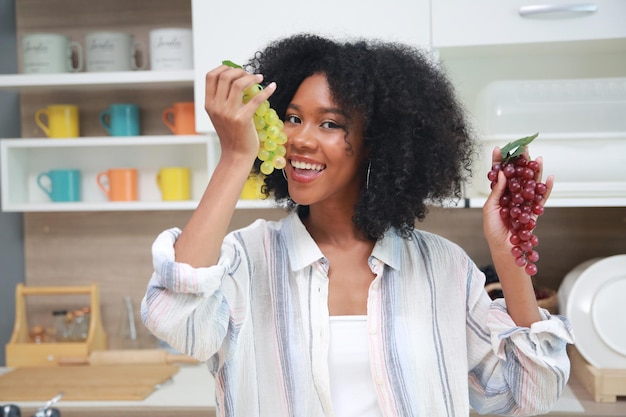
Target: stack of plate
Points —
{"points": [[593, 297]]}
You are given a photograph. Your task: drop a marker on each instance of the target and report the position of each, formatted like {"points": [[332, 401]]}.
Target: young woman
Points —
{"points": [[343, 308]]}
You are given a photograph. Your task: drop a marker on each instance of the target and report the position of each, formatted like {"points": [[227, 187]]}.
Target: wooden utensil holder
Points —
{"points": [[20, 351]]}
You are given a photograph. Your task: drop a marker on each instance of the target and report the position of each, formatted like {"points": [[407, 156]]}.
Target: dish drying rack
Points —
{"points": [[604, 385]]}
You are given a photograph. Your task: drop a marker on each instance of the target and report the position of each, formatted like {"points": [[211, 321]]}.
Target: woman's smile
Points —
{"points": [[305, 171]]}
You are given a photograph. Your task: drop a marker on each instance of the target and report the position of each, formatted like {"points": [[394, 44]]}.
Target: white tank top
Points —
{"points": [[351, 386]]}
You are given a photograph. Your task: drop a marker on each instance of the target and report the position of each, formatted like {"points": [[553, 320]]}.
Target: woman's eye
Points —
{"points": [[292, 119], [331, 125]]}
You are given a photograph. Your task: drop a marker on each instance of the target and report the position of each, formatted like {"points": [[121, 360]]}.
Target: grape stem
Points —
{"points": [[231, 64], [516, 148]]}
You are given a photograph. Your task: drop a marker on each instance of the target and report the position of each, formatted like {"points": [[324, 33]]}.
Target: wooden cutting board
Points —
{"points": [[84, 383]]}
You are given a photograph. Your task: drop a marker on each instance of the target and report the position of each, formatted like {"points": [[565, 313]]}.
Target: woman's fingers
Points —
{"points": [[225, 86], [496, 155]]}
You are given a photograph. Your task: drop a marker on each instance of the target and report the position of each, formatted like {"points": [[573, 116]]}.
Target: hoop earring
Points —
{"points": [[367, 177], [284, 175]]}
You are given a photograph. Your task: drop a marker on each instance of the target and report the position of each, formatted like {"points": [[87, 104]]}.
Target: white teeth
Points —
{"points": [[306, 165]]}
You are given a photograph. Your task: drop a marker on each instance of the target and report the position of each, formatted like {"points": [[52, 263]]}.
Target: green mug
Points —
{"points": [[61, 185]]}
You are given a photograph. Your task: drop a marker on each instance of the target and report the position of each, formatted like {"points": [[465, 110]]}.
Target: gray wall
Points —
{"points": [[11, 230]]}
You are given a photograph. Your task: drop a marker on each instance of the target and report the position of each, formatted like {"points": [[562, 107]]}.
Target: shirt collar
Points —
{"points": [[303, 251], [388, 249]]}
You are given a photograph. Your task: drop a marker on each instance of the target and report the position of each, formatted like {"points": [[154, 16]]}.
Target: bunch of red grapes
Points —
{"points": [[521, 204]]}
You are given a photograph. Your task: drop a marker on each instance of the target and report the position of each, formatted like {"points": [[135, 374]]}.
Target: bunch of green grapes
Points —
{"points": [[269, 128]]}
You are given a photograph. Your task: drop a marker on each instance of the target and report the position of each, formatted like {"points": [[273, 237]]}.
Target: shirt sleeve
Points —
{"points": [[514, 370], [185, 306]]}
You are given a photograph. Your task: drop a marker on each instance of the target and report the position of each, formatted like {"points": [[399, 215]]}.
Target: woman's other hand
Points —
{"points": [[496, 230]]}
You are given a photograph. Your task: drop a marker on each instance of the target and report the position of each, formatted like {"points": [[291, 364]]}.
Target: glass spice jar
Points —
{"points": [[60, 325]]}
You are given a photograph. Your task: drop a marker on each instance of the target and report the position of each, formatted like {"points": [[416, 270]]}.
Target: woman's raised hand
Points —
{"points": [[231, 118]]}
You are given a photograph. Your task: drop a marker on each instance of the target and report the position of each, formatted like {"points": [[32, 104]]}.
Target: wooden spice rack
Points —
{"points": [[604, 385], [21, 351]]}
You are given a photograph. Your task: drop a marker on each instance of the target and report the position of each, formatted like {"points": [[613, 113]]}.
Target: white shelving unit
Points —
{"points": [[24, 159]]}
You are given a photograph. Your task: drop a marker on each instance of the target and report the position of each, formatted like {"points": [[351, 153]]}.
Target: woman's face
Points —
{"points": [[325, 151]]}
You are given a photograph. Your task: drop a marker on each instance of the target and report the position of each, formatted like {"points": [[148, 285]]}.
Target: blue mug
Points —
{"points": [[121, 119], [61, 185]]}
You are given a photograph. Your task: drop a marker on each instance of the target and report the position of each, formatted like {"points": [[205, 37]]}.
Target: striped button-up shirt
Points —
{"points": [[438, 344]]}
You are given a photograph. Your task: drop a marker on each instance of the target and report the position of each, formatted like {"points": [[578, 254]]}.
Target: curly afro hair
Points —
{"points": [[419, 141]]}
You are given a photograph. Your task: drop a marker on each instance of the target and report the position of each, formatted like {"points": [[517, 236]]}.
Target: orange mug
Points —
{"points": [[180, 118], [119, 184]]}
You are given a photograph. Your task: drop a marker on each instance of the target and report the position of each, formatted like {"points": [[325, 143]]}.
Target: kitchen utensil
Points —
{"points": [[47, 410], [10, 410]]}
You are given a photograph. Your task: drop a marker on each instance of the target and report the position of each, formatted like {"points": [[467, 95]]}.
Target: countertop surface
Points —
{"points": [[191, 392]]}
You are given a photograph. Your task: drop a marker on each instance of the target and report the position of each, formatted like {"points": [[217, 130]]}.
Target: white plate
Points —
{"points": [[593, 297]]}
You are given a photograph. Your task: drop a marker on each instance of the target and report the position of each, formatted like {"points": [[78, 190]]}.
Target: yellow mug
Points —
{"points": [[252, 188], [174, 183], [61, 121]]}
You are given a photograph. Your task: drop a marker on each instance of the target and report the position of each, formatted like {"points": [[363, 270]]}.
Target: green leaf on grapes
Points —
{"points": [[516, 148], [231, 64]]}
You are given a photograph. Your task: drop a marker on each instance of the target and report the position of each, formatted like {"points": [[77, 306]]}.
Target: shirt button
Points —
{"points": [[372, 330], [379, 380]]}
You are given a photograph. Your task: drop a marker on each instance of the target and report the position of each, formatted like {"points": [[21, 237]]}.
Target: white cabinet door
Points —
{"points": [[497, 22], [234, 30]]}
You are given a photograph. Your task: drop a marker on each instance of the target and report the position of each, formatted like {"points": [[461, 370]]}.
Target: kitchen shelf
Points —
{"points": [[96, 80], [23, 159], [130, 206], [478, 202]]}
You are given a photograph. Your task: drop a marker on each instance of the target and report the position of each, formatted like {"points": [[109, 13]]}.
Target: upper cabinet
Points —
{"points": [[458, 23], [555, 68], [236, 30]]}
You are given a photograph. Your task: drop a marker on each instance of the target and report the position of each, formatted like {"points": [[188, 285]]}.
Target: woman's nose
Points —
{"points": [[300, 137]]}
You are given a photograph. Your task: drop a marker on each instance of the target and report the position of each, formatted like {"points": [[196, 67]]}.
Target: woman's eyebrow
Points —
{"points": [[321, 110]]}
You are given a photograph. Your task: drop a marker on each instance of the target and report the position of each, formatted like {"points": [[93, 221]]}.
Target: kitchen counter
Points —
{"points": [[191, 393]]}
